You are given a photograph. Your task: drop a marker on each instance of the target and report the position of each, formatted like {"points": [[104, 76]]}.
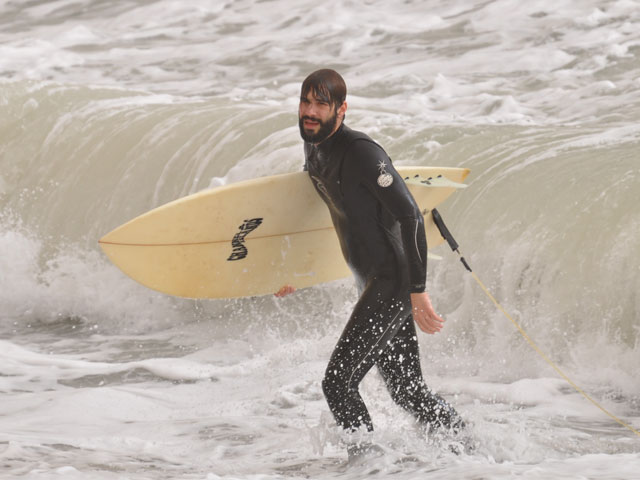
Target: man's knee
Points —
{"points": [[333, 386]]}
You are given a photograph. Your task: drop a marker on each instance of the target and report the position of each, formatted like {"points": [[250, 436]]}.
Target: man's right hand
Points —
{"points": [[284, 291]]}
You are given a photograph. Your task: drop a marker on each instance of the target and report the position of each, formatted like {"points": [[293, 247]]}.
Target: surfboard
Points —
{"points": [[250, 238]]}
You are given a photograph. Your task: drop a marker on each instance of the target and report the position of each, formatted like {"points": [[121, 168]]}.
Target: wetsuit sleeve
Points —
{"points": [[369, 165]]}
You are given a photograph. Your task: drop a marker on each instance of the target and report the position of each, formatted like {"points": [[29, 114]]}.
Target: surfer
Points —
{"points": [[381, 233]]}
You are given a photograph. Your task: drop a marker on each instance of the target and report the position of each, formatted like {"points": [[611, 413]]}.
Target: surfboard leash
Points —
{"points": [[446, 234]]}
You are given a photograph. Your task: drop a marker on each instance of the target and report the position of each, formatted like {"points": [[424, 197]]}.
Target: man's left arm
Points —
{"points": [[384, 182], [424, 314]]}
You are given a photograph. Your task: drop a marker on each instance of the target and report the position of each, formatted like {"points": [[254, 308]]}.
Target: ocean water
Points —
{"points": [[108, 109]]}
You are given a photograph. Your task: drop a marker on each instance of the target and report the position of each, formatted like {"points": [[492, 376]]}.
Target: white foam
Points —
{"points": [[113, 109], [73, 284], [495, 45]]}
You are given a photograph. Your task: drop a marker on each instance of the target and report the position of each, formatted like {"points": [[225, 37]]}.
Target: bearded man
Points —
{"points": [[381, 233]]}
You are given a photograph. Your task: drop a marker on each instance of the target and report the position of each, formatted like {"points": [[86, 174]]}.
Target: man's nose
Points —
{"points": [[308, 109]]}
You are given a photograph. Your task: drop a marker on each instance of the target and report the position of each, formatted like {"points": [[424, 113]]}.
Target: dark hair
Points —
{"points": [[326, 85]]}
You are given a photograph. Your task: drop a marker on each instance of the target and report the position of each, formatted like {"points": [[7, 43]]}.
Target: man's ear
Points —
{"points": [[342, 110]]}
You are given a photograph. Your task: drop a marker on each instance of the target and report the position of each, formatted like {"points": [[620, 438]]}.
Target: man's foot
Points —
{"points": [[361, 452], [453, 433], [455, 424], [442, 417]]}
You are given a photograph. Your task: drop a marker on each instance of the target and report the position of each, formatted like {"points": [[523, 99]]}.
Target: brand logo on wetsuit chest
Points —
{"points": [[385, 179], [239, 249], [320, 186]]}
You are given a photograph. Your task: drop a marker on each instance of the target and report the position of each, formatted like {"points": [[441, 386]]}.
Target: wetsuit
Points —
{"points": [[382, 236]]}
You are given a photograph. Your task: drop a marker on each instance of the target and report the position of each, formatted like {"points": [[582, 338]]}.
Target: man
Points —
{"points": [[381, 232]]}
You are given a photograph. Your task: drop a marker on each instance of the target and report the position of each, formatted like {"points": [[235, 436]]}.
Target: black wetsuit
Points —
{"points": [[382, 236]]}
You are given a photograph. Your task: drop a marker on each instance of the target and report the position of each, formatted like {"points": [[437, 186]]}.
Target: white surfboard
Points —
{"points": [[252, 237]]}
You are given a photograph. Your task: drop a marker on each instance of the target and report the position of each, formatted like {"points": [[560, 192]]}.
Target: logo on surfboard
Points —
{"points": [[239, 249]]}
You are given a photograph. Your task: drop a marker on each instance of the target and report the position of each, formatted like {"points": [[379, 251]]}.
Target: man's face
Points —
{"points": [[317, 118]]}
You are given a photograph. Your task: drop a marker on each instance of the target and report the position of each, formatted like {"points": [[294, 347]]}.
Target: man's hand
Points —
{"points": [[424, 314], [284, 291]]}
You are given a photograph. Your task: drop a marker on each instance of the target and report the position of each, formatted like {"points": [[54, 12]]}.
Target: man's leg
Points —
{"points": [[374, 322], [399, 365]]}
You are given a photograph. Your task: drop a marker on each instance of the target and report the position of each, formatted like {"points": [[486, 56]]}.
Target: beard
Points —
{"points": [[325, 130]]}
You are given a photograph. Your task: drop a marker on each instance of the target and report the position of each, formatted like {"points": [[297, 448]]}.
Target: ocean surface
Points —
{"points": [[108, 109]]}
